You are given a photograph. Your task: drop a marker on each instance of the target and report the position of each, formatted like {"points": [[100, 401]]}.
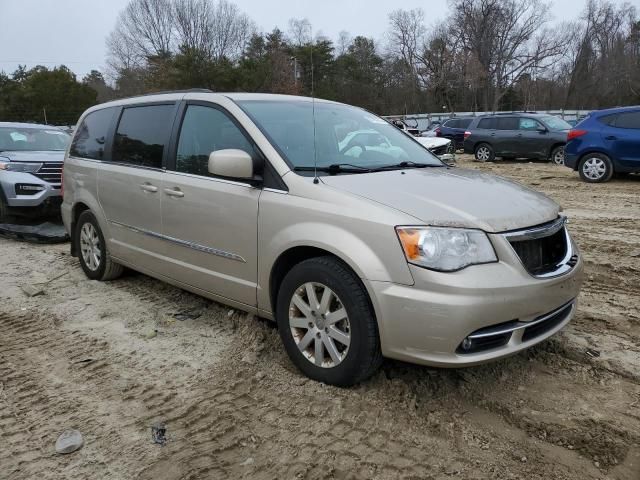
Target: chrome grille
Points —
{"points": [[545, 250], [50, 172]]}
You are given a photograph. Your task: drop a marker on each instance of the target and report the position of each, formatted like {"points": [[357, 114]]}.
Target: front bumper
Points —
{"points": [[9, 180], [426, 323]]}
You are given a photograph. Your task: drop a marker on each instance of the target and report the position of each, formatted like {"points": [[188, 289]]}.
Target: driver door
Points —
{"points": [[210, 222]]}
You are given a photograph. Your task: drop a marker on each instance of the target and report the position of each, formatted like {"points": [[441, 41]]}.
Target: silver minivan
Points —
{"points": [[358, 249]]}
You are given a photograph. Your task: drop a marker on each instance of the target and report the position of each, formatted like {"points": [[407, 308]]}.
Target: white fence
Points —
{"points": [[423, 120]]}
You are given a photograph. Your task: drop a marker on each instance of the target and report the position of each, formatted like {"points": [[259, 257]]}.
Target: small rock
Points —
{"points": [[523, 459], [32, 290], [597, 464], [260, 375], [300, 381], [230, 313], [69, 441], [151, 334], [247, 462], [635, 253], [159, 433], [570, 447], [250, 357]]}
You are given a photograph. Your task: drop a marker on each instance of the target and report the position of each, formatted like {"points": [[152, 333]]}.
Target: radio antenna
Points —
{"points": [[313, 111]]}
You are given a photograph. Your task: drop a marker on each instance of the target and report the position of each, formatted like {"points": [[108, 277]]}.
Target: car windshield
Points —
{"points": [[344, 135], [32, 139], [555, 123]]}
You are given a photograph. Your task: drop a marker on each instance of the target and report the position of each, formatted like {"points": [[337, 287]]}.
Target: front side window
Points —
{"points": [[529, 124], [23, 139], [628, 120], [205, 130], [142, 135], [327, 134], [89, 139]]}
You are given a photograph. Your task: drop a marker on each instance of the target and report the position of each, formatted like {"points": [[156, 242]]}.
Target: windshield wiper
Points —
{"points": [[408, 164], [336, 168]]}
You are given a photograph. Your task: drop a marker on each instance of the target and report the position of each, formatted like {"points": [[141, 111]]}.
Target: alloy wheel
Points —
{"points": [[594, 168], [483, 154], [558, 157], [319, 324], [90, 247]]}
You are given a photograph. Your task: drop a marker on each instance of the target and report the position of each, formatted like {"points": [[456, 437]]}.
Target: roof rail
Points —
{"points": [[165, 92]]}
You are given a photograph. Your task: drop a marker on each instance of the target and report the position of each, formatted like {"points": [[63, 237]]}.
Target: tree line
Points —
{"points": [[487, 55]]}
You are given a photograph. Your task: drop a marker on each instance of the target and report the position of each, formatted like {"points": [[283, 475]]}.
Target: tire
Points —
{"points": [[4, 210], [595, 168], [94, 257], [484, 153], [349, 362], [557, 155]]}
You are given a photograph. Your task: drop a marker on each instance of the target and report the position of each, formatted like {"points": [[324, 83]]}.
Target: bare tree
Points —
{"points": [[300, 31], [344, 40], [231, 30], [194, 25], [507, 38], [407, 35]]}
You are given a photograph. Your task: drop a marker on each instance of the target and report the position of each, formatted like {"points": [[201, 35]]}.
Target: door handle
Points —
{"points": [[611, 137], [147, 187], [173, 192]]}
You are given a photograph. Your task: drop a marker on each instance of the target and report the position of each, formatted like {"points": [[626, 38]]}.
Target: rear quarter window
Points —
{"points": [[464, 122], [90, 137], [487, 123]]}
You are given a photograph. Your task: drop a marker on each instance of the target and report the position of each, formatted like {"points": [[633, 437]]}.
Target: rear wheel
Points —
{"points": [[557, 155], [484, 153], [94, 256], [595, 168], [326, 323]]}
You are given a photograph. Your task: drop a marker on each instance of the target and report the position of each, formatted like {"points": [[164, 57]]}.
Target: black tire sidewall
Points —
{"points": [[88, 217], [358, 310], [492, 154], [608, 163]]}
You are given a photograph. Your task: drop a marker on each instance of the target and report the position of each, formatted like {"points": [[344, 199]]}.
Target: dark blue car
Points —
{"points": [[454, 129], [605, 143]]}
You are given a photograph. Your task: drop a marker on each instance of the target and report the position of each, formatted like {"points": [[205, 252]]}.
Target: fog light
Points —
{"points": [[28, 189], [467, 343]]}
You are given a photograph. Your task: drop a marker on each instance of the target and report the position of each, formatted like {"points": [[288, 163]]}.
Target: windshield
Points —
{"points": [[343, 135], [555, 123], [32, 139]]}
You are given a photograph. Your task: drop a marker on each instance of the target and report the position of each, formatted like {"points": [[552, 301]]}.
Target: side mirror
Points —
{"points": [[231, 163], [542, 130]]}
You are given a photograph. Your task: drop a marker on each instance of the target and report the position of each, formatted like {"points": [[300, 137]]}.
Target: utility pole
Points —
{"points": [[44, 111]]}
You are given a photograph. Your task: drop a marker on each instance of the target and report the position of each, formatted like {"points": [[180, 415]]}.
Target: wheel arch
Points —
{"points": [[293, 256], [76, 211]]}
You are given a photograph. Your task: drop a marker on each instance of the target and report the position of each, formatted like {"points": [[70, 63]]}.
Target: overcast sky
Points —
{"points": [[72, 32]]}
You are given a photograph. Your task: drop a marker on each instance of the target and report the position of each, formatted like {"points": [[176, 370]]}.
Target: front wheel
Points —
{"points": [[557, 155], [596, 168], [484, 153], [326, 323], [95, 260]]}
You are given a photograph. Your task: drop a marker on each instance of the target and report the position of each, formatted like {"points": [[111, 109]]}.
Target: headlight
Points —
{"points": [[445, 249], [20, 167]]}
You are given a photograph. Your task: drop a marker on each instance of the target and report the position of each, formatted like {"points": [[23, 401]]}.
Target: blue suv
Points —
{"points": [[604, 143]]}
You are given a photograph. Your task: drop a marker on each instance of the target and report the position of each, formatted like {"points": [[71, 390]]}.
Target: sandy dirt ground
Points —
{"points": [[112, 359]]}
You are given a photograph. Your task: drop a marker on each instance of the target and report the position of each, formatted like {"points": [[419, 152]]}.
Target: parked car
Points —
{"points": [[30, 167], [247, 199], [454, 129], [431, 130], [605, 143], [517, 135], [441, 147]]}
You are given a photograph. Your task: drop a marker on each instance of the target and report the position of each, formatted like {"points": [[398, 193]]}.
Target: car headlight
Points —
{"points": [[20, 167], [445, 249]]}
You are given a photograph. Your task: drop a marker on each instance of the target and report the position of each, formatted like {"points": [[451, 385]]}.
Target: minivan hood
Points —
{"points": [[452, 197], [33, 156]]}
